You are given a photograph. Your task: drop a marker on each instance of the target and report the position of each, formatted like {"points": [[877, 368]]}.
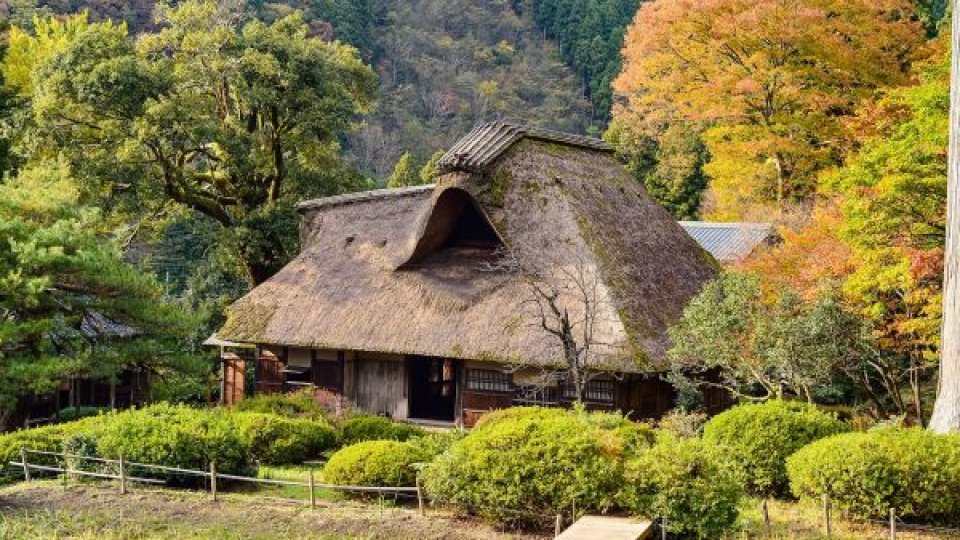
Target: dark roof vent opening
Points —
{"points": [[456, 223]]}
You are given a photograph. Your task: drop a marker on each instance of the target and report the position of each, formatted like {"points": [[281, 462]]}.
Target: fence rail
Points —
{"points": [[212, 474]]}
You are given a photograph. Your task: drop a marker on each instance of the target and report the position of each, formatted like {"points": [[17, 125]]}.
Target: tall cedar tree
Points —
{"points": [[946, 411], [234, 123], [771, 80]]}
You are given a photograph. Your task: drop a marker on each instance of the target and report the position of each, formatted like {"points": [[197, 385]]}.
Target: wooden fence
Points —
{"points": [[123, 476]]}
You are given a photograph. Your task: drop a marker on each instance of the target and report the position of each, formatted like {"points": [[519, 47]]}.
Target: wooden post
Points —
{"points": [[313, 495], [766, 514], [558, 526], [123, 477], [893, 524], [213, 480], [26, 466], [420, 497], [663, 528], [381, 504], [827, 526]]}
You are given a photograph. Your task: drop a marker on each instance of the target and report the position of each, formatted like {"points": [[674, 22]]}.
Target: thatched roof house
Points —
{"points": [[403, 292]]}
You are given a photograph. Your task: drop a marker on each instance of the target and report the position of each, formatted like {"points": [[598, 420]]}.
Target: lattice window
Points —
{"points": [[488, 380], [596, 391], [537, 395]]}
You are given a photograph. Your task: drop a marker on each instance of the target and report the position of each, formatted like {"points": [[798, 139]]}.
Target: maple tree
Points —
{"points": [[769, 80]]}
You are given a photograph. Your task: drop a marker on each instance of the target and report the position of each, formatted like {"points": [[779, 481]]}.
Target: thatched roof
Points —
{"points": [[730, 242], [414, 271]]}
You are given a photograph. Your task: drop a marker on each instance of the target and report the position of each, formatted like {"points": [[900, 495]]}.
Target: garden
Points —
{"points": [[519, 468]]}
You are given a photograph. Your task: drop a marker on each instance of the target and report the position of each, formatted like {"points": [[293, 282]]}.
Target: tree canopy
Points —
{"points": [[770, 82], [232, 122]]}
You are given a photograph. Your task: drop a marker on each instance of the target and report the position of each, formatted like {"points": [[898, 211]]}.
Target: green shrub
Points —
{"points": [[75, 413], [376, 428], [297, 404], [174, 435], [761, 436], [275, 440], [374, 463], [865, 474], [45, 438], [533, 461], [434, 444], [694, 484]]}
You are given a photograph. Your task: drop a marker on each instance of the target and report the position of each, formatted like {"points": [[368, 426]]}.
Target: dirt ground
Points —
{"points": [[48, 510]]}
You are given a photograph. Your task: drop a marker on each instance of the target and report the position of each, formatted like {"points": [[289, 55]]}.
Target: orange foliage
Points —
{"points": [[806, 258]]}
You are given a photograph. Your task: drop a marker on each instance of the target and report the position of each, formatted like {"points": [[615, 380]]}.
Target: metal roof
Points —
{"points": [[486, 142], [730, 242]]}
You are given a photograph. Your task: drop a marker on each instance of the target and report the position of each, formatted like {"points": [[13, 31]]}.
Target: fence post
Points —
{"points": [[827, 526], [663, 528], [213, 480], [26, 466], [558, 525], [420, 497], [123, 477], [893, 524], [313, 496], [766, 515]]}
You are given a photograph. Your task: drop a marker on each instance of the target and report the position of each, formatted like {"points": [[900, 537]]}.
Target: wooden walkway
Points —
{"points": [[607, 528]]}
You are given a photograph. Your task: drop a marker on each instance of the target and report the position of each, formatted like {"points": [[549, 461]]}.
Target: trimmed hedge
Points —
{"points": [[174, 435], [694, 484], [761, 436], [275, 440], [46, 438], [374, 463], [376, 428], [528, 461], [866, 474]]}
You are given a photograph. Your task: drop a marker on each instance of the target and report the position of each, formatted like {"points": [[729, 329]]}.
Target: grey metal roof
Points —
{"points": [[362, 196], [730, 242], [486, 142]]}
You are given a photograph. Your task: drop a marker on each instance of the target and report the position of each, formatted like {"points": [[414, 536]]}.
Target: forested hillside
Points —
{"points": [[443, 65]]}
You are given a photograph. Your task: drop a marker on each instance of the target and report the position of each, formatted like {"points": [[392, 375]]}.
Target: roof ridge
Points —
{"points": [[485, 142], [363, 196], [728, 224]]}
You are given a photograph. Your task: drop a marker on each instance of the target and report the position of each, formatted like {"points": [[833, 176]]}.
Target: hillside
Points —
{"points": [[444, 65]]}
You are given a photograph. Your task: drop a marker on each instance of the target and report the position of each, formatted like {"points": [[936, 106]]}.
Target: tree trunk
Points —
{"points": [[946, 410]]}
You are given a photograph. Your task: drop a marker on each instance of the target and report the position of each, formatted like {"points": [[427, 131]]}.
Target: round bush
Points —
{"points": [[376, 428], [374, 463], [528, 462], [866, 474], [694, 484], [761, 436], [276, 440], [174, 435]]}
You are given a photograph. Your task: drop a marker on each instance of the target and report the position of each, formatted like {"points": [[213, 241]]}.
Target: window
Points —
{"points": [[596, 391], [488, 380], [536, 395]]}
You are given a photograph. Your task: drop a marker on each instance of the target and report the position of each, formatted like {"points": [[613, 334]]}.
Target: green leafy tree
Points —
{"points": [[668, 159], [731, 336], [69, 305], [233, 122], [404, 173], [431, 169]]}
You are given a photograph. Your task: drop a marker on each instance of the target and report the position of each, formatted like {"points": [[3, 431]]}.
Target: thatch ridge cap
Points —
{"points": [[363, 196], [486, 142]]}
